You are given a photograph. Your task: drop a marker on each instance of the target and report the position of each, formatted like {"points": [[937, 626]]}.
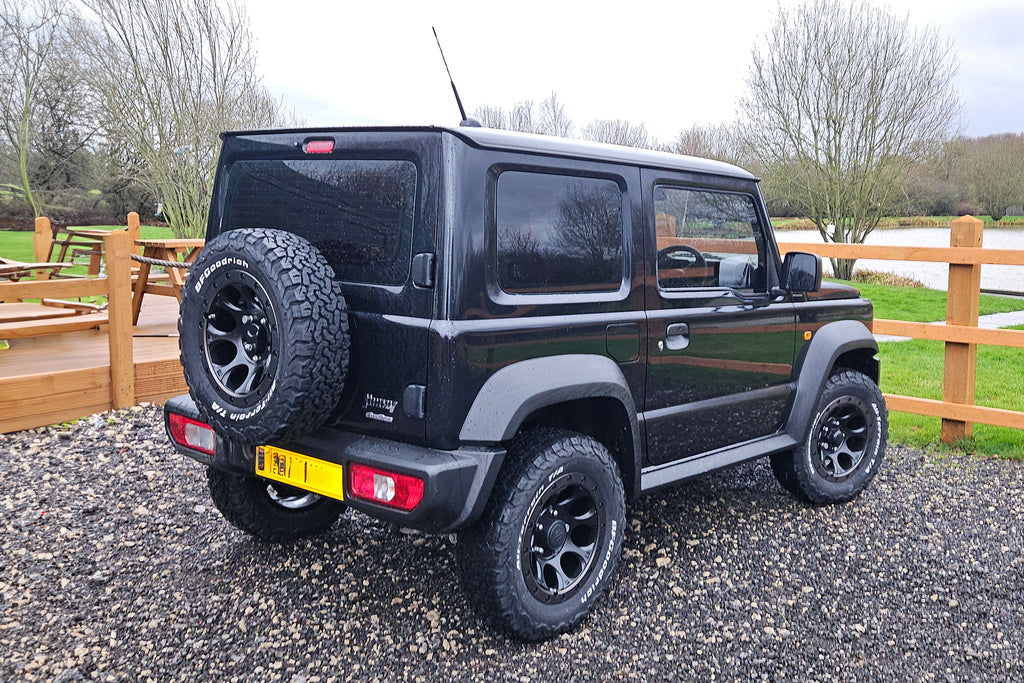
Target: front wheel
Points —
{"points": [[548, 542], [269, 510], [845, 446]]}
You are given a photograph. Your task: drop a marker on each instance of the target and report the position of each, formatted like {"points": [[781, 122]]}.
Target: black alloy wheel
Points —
{"points": [[241, 338], [842, 435], [565, 524]]}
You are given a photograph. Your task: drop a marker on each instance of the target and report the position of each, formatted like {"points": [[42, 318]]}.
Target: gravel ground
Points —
{"points": [[115, 566]]}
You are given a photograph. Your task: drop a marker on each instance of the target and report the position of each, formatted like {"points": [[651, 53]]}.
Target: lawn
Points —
{"points": [[918, 304], [914, 368], [17, 245]]}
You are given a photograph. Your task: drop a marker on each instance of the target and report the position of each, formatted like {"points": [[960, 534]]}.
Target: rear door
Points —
{"points": [[720, 346], [370, 206]]}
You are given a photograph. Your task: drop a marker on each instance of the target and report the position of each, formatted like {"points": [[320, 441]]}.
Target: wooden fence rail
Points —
{"points": [[961, 333]]}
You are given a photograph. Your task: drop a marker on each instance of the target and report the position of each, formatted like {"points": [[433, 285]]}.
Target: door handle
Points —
{"points": [[677, 336]]}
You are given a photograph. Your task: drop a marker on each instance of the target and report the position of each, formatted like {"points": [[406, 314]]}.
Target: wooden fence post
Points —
{"points": [[961, 309], [134, 231], [42, 240], [118, 245]]}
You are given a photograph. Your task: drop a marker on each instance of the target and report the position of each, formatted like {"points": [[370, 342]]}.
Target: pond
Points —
{"points": [[933, 275]]}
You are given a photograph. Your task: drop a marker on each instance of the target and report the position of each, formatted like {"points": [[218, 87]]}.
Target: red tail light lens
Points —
{"points": [[386, 488], [319, 147], [191, 433]]}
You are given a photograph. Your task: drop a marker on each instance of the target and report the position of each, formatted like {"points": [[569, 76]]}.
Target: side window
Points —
{"points": [[558, 233], [708, 239]]}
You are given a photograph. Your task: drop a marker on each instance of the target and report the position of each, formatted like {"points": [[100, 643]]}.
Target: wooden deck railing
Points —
{"points": [[117, 287], [960, 333]]}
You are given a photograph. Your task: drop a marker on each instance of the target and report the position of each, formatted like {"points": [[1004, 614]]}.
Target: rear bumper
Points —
{"points": [[456, 483]]}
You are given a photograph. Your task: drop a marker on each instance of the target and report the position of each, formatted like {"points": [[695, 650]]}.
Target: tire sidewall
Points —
{"points": [[820, 489], [609, 498], [218, 408]]}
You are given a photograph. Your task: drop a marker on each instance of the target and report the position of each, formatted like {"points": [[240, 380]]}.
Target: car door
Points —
{"points": [[720, 345]]}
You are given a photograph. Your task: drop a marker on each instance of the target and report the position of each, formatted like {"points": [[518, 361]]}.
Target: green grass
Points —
{"points": [[914, 368], [17, 246], [918, 304]]}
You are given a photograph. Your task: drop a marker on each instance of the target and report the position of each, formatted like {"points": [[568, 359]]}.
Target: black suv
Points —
{"points": [[506, 336]]}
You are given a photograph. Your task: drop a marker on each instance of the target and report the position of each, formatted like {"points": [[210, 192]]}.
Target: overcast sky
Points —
{"points": [[668, 65]]}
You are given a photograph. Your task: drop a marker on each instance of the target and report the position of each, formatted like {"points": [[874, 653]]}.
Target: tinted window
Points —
{"points": [[358, 213], [708, 239], [558, 233]]}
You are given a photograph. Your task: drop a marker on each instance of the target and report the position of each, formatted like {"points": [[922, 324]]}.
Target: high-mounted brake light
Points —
{"points": [[319, 147], [387, 488], [191, 433]]}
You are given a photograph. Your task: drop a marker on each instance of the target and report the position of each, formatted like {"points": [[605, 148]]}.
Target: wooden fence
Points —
{"points": [[961, 333]]}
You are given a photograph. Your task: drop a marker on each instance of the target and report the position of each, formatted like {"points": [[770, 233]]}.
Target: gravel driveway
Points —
{"points": [[115, 566]]}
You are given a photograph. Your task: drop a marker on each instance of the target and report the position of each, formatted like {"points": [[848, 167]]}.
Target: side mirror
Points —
{"points": [[801, 272]]}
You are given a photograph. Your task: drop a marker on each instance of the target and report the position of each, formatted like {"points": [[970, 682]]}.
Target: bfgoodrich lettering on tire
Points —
{"points": [[549, 540], [845, 446], [263, 335]]}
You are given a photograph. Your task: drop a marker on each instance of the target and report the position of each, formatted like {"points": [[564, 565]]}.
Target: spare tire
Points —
{"points": [[263, 335]]}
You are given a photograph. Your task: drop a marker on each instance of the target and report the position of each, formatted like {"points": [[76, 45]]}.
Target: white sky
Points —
{"points": [[668, 65]]}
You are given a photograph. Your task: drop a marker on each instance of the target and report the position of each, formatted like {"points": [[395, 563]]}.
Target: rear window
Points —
{"points": [[359, 213]]}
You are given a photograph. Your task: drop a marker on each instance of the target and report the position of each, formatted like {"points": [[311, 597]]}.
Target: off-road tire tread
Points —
{"points": [[796, 479], [245, 505], [486, 578], [316, 333]]}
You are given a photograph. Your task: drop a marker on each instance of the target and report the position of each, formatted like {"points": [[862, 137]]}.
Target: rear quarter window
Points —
{"points": [[558, 233], [358, 213]]}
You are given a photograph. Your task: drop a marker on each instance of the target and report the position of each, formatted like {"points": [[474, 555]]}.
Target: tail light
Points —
{"points": [[192, 434], [387, 488]]}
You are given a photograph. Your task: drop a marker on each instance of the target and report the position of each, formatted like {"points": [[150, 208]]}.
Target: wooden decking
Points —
{"points": [[58, 377]]}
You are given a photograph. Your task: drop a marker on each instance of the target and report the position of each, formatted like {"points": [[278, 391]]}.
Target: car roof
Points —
{"points": [[490, 138]]}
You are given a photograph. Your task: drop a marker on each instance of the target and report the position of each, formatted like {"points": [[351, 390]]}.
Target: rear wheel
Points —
{"points": [[549, 539], [845, 446], [269, 510]]}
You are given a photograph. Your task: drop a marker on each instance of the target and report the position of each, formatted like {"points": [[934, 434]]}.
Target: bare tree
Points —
{"points": [[172, 75], [28, 32], [720, 142], [841, 99], [523, 118], [553, 118], [491, 117], [990, 171], [618, 132]]}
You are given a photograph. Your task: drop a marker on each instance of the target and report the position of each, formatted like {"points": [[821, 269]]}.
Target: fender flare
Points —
{"points": [[816, 362], [514, 392]]}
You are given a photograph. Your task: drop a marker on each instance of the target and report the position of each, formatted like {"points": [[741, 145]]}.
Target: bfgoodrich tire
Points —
{"points": [[263, 335], [845, 445], [547, 544], [271, 511]]}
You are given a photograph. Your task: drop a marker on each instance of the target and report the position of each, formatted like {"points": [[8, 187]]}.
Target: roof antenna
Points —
{"points": [[466, 121]]}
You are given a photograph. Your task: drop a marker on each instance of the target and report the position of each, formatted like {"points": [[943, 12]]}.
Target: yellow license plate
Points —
{"points": [[301, 471]]}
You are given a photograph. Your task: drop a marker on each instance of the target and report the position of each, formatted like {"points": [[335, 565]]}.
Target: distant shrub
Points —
{"points": [[875, 277]]}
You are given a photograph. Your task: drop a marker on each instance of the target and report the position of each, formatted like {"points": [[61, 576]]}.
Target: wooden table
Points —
{"points": [[164, 250]]}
